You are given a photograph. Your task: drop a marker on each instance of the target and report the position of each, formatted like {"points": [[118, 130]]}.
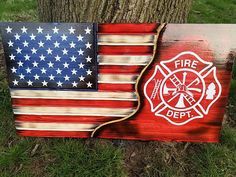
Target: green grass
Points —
{"points": [[73, 157]]}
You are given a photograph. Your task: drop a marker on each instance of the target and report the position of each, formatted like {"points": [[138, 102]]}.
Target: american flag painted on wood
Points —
{"points": [[131, 81]]}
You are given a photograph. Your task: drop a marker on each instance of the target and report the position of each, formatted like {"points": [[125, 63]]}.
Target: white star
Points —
{"points": [[50, 64], [58, 71], [72, 30], [81, 65], [24, 29], [72, 45], [45, 83], [15, 82], [87, 30], [36, 77], [17, 36], [27, 57], [28, 70], [66, 65], [13, 70], [89, 72], [12, 57], [32, 36], [65, 52], [73, 72], [51, 77], [55, 30], [42, 57], [81, 52], [73, 58], [26, 44], [80, 38], [56, 44], [67, 78], [64, 37], [49, 51], [18, 50], [34, 51], [30, 83], [35, 64], [59, 84], [58, 58], [81, 78], [89, 84], [88, 59], [22, 76], [48, 37], [88, 45], [40, 30], [74, 84], [20, 63], [8, 29], [43, 70], [41, 44], [10, 43]]}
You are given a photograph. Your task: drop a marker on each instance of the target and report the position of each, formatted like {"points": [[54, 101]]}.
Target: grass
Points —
{"points": [[73, 157]]}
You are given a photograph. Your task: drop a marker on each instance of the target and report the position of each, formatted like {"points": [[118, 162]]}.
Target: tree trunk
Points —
{"points": [[114, 11]]}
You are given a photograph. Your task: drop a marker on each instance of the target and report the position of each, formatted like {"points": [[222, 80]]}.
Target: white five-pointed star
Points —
{"points": [[67, 78], [18, 50], [24, 29], [22, 76], [80, 38], [34, 51], [88, 45], [20, 63], [27, 57], [65, 52], [30, 83], [89, 72], [13, 70], [40, 30], [10, 43], [81, 52], [35, 64], [66, 65], [73, 58], [15, 82], [81, 65], [8, 29], [88, 59], [58, 71], [28, 70], [74, 84], [17, 36], [64, 37], [26, 44], [12, 57], [50, 64], [87, 30], [51, 77], [59, 84], [43, 70], [49, 51], [48, 37], [72, 30], [73, 72], [56, 44], [42, 58], [55, 30], [89, 84], [32, 36], [41, 44], [57, 58], [72, 45], [36, 77], [45, 83], [81, 78]]}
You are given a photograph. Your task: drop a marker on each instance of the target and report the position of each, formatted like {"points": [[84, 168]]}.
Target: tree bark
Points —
{"points": [[114, 11]]}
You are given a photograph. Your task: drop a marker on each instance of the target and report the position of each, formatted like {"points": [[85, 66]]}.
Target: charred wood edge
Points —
{"points": [[159, 30]]}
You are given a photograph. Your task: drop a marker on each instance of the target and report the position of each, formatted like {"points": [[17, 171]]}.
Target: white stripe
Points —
{"points": [[73, 111], [128, 60], [117, 78], [20, 125], [73, 95], [108, 39]]}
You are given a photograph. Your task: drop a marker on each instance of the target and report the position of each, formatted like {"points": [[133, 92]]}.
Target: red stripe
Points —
{"points": [[125, 50], [120, 69], [128, 28], [73, 103], [116, 87]]}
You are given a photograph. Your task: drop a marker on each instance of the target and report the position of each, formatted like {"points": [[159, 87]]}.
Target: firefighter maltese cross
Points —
{"points": [[183, 88]]}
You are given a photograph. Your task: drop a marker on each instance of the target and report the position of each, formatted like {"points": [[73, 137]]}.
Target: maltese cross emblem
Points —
{"points": [[183, 88]]}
